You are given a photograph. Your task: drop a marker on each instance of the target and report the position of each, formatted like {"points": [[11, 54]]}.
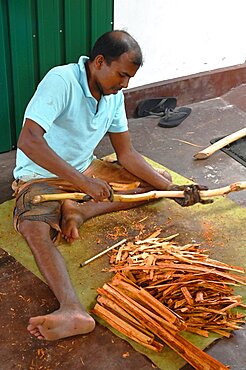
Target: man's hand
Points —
{"points": [[96, 188], [191, 195]]}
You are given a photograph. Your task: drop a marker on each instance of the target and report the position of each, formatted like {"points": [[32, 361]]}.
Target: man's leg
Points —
{"points": [[71, 318]]}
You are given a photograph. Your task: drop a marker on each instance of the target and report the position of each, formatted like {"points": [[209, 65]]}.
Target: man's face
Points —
{"points": [[112, 78]]}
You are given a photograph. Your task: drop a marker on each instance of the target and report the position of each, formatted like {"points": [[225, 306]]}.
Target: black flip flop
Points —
{"points": [[156, 106], [173, 117]]}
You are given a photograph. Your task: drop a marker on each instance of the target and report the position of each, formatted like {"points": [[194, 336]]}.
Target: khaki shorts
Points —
{"points": [[50, 211]]}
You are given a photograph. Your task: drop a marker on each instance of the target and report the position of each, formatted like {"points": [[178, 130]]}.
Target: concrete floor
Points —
{"points": [[209, 119]]}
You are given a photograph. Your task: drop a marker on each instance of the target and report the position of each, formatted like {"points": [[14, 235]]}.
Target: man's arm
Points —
{"points": [[34, 146], [132, 161]]}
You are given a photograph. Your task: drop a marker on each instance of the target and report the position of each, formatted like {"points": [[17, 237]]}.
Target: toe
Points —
{"points": [[33, 331], [40, 337]]}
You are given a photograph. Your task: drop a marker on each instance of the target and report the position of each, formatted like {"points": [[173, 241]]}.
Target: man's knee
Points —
{"points": [[30, 229]]}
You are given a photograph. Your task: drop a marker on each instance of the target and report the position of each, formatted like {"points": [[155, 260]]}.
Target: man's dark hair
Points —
{"points": [[113, 44]]}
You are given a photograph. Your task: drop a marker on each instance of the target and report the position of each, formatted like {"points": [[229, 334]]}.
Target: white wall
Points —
{"points": [[182, 37]]}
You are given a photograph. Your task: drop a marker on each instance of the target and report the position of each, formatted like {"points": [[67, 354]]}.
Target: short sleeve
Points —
{"points": [[48, 102]]}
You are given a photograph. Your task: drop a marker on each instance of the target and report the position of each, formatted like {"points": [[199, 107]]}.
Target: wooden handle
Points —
{"points": [[205, 153]]}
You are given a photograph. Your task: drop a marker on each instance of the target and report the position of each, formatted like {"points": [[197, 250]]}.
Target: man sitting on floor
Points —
{"points": [[73, 108]]}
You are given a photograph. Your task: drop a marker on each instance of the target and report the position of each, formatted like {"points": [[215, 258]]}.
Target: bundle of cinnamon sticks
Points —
{"points": [[161, 288], [141, 317], [186, 280]]}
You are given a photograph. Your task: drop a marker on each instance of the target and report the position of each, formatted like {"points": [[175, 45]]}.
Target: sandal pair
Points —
{"points": [[164, 108]]}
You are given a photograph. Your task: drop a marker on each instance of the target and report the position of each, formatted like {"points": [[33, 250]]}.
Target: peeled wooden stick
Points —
{"points": [[103, 252], [61, 196], [205, 153], [154, 194]]}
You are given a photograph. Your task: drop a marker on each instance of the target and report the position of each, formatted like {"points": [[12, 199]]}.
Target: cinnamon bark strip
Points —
{"points": [[126, 329], [222, 265], [108, 303], [209, 310], [196, 357], [184, 267], [235, 304], [219, 265], [183, 282], [187, 296], [120, 312], [116, 186], [141, 295], [205, 261], [202, 332], [160, 308], [223, 333], [134, 308]]}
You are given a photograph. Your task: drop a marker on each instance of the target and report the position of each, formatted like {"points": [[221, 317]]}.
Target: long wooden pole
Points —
{"points": [[154, 194], [205, 153]]}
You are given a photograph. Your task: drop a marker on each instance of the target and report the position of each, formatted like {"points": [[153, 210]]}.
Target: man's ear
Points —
{"points": [[99, 61]]}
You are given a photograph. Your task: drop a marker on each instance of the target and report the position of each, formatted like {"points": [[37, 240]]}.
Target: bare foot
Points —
{"points": [[72, 219], [61, 324]]}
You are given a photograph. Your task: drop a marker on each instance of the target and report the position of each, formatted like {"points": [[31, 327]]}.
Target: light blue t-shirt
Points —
{"points": [[64, 107]]}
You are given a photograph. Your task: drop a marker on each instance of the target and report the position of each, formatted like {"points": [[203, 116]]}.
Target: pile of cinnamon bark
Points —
{"points": [[161, 288]]}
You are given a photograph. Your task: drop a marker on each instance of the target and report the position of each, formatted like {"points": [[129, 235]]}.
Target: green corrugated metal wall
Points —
{"points": [[36, 35]]}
